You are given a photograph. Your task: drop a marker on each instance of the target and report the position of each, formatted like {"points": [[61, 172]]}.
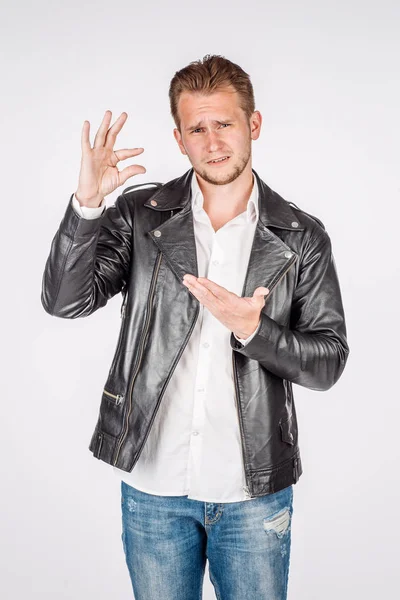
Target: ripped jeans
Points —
{"points": [[167, 540]]}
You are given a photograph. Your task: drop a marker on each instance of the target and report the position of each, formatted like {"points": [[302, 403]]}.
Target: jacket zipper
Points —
{"points": [[165, 385], [282, 275], [143, 340], [239, 411], [118, 397]]}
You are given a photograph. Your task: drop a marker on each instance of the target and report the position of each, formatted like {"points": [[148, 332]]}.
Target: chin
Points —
{"points": [[219, 176]]}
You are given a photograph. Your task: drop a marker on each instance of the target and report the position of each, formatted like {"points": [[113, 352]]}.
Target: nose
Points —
{"points": [[213, 142]]}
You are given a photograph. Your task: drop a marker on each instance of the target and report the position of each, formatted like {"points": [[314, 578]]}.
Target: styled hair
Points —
{"points": [[208, 75]]}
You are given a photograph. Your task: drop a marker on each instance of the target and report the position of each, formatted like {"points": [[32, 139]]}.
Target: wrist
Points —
{"points": [[248, 331], [93, 202]]}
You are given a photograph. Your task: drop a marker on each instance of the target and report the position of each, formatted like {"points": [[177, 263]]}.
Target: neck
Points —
{"points": [[227, 201]]}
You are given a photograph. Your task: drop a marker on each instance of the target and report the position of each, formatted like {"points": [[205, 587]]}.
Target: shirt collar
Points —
{"points": [[252, 204]]}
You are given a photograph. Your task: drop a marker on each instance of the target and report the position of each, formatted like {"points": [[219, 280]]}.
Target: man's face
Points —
{"points": [[214, 126]]}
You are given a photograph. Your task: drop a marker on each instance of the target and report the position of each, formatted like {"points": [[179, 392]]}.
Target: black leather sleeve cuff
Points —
{"points": [[73, 225]]}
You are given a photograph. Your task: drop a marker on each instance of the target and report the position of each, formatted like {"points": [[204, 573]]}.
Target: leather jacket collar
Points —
{"points": [[274, 211]]}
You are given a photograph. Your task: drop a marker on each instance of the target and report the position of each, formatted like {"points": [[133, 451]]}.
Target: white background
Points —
{"points": [[326, 80]]}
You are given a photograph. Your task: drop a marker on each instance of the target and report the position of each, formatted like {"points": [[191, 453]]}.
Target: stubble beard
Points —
{"points": [[224, 179]]}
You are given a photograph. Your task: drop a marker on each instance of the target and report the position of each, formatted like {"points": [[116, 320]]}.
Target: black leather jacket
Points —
{"points": [[142, 246]]}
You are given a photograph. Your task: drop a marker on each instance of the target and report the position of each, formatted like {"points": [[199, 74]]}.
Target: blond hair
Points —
{"points": [[208, 75]]}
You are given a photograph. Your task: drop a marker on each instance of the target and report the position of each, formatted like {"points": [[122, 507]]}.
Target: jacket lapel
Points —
{"points": [[269, 260], [270, 257], [175, 237]]}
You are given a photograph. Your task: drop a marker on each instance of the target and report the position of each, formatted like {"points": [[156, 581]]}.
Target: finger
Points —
{"points": [[130, 171], [202, 294], [112, 133], [190, 288], [85, 141], [101, 132], [127, 153], [194, 285], [206, 298], [217, 290]]}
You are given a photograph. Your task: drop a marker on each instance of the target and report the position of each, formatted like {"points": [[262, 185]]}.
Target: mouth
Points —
{"points": [[218, 161]]}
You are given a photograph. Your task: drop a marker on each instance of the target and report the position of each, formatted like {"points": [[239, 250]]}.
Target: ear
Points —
{"points": [[255, 124], [178, 137]]}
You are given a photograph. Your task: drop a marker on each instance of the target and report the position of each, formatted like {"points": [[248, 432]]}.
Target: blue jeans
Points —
{"points": [[167, 540]]}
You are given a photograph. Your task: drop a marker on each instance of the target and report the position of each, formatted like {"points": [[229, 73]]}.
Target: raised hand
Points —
{"points": [[99, 175]]}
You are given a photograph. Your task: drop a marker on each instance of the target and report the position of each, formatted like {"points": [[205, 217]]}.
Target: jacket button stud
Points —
{"points": [[157, 233], [153, 202], [295, 224], [288, 254]]}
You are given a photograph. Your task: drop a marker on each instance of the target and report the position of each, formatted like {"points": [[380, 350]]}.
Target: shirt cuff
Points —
{"points": [[247, 340], [86, 211]]}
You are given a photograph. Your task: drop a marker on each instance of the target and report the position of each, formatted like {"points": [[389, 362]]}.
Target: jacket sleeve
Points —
{"points": [[88, 212], [88, 262], [313, 350]]}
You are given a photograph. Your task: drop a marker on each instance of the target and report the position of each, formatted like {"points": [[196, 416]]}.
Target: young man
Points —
{"points": [[230, 295]]}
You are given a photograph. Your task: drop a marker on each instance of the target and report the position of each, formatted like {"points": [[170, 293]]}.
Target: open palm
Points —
{"points": [[99, 175]]}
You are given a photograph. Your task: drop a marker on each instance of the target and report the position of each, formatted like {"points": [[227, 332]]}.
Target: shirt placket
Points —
{"points": [[196, 480]]}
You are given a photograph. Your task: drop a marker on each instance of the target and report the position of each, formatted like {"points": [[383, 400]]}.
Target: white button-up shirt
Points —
{"points": [[194, 445]]}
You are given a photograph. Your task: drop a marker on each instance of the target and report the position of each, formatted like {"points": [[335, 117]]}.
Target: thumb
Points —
{"points": [[130, 171], [260, 292]]}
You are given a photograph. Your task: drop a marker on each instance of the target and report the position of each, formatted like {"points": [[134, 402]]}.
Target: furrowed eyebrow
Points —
{"points": [[192, 127]]}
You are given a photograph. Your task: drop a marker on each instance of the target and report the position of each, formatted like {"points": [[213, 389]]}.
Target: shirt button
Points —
{"points": [[206, 345], [195, 433], [288, 254], [215, 263], [295, 224], [157, 233], [200, 389], [154, 203]]}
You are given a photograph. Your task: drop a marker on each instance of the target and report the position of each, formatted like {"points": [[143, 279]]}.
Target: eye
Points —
{"points": [[225, 124], [194, 130]]}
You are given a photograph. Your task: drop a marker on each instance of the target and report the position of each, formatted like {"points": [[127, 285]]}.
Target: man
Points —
{"points": [[230, 295]]}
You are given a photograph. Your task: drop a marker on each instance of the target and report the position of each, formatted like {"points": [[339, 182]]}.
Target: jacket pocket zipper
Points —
{"points": [[99, 445], [121, 334], [117, 397]]}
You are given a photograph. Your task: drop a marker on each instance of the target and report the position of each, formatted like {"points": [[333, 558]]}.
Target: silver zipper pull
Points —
{"points": [[123, 312], [118, 397]]}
